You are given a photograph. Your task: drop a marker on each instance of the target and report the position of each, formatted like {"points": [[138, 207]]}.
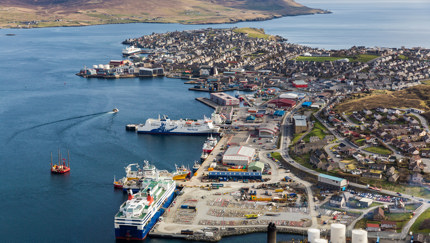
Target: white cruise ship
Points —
{"points": [[141, 211], [178, 127], [131, 50]]}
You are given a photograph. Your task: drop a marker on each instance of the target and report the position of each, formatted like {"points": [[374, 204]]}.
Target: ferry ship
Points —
{"points": [[178, 127], [131, 50], [209, 145], [140, 212]]}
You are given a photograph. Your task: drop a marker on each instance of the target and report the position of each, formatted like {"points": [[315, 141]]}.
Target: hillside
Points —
{"points": [[43, 13], [413, 97]]}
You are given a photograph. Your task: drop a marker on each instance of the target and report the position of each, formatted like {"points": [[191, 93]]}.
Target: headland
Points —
{"points": [[29, 14]]}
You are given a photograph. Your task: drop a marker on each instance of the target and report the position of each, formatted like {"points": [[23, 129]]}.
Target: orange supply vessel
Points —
{"points": [[61, 167]]}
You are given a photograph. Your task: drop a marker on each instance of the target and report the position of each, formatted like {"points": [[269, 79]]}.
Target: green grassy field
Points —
{"points": [[253, 32], [318, 130], [411, 190], [360, 142], [416, 226], [378, 150], [317, 59], [398, 216], [296, 138], [359, 58], [276, 155]]}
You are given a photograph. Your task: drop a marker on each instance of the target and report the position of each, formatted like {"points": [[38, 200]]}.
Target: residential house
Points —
{"points": [[372, 175], [393, 178], [417, 178], [378, 214], [381, 167], [388, 225], [373, 227], [337, 201]]}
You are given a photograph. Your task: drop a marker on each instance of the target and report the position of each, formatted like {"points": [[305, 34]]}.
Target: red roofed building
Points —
{"points": [[283, 102], [300, 84], [373, 227]]}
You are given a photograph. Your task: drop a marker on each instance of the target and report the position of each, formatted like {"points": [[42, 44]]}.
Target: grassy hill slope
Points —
{"points": [[413, 97], [43, 13]]}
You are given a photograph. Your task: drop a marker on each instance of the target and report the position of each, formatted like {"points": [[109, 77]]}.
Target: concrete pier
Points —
{"points": [[207, 102]]}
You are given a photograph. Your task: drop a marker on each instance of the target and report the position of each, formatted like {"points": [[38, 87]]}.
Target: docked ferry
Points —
{"points": [[131, 50], [178, 127], [140, 212]]}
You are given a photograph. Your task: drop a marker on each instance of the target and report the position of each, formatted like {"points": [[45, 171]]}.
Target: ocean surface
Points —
{"points": [[44, 107]]}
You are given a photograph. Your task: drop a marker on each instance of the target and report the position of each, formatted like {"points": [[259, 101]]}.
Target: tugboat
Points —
{"points": [[196, 166], [61, 167]]}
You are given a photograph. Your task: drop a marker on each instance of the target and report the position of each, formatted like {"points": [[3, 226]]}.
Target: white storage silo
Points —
{"points": [[313, 234], [337, 233], [359, 236], [320, 241]]}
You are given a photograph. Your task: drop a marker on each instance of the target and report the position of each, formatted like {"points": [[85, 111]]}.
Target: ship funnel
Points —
{"points": [[130, 194]]}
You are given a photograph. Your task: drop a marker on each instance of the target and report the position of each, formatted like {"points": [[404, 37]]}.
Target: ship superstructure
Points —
{"points": [[141, 211], [179, 127]]}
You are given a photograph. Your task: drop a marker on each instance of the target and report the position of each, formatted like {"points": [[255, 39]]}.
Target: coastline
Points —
{"points": [[207, 21]]}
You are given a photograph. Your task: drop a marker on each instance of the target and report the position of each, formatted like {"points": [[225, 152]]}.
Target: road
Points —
{"points": [[286, 135]]}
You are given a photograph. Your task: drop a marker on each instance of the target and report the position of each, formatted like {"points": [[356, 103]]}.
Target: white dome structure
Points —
{"points": [[289, 95], [337, 233], [313, 234], [320, 241], [359, 236]]}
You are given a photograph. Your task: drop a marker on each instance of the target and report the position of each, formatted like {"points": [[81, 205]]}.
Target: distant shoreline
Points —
{"points": [[44, 23]]}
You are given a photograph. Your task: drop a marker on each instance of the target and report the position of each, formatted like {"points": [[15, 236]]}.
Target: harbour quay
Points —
{"points": [[121, 69]]}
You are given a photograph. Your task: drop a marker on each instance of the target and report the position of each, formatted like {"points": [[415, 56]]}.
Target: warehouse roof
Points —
{"points": [[331, 177], [299, 120], [224, 173], [241, 151], [256, 164]]}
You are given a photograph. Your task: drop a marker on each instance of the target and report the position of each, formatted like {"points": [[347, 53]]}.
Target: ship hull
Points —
{"points": [[180, 177], [127, 232]]}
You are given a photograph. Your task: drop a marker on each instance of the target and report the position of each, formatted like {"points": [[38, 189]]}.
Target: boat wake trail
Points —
{"points": [[57, 121]]}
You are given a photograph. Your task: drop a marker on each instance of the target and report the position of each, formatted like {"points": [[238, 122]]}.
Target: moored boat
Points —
{"points": [[203, 157], [61, 167], [134, 175], [209, 145], [196, 166], [181, 173]]}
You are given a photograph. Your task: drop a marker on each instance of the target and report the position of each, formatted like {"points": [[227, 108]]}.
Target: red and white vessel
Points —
{"points": [[61, 167], [209, 145]]}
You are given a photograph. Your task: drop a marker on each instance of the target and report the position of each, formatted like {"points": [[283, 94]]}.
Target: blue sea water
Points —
{"points": [[44, 106]]}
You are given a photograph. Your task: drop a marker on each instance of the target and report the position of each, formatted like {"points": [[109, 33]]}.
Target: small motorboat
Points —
{"points": [[115, 110]]}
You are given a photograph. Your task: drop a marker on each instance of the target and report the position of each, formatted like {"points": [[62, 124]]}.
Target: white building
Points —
{"points": [[224, 99], [332, 182], [238, 155]]}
